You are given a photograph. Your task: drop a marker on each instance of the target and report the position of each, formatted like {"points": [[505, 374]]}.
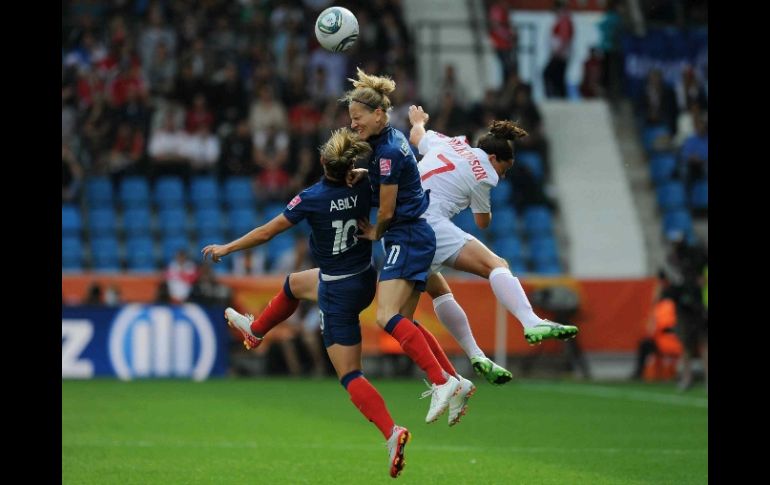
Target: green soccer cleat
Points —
{"points": [[548, 329], [484, 367]]}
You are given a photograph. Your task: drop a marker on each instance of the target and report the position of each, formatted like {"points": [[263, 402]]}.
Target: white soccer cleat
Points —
{"points": [[440, 396], [459, 402], [242, 323], [396, 444]]}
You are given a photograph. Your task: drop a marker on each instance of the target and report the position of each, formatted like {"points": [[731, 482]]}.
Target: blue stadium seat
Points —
{"points": [[533, 161], [662, 167], [172, 222], [170, 245], [699, 195], [677, 222], [99, 192], [277, 246], [71, 223], [238, 192], [537, 221], [547, 268], [509, 248], [465, 221], [137, 222], [71, 254], [272, 209], [518, 266], [543, 250], [504, 221], [650, 134], [204, 193], [242, 221], [134, 192], [501, 195], [169, 193], [208, 221], [102, 222], [104, 254], [671, 196], [140, 254]]}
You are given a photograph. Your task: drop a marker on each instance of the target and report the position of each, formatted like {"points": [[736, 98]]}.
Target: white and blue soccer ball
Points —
{"points": [[336, 29]]}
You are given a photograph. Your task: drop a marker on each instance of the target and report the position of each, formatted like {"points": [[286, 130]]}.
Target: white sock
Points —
{"points": [[508, 291], [453, 317]]}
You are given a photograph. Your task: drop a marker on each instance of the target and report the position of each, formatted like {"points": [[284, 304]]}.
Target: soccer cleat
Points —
{"points": [[459, 402], [484, 367], [440, 395], [396, 444], [548, 329], [242, 323]]}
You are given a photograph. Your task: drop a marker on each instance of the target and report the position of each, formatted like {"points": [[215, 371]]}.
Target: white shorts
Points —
{"points": [[450, 239]]}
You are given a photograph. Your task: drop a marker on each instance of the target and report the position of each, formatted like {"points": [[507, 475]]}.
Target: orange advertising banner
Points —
{"points": [[612, 317]]}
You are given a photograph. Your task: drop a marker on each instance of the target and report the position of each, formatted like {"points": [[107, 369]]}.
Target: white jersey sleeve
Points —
{"points": [[480, 199], [431, 139]]}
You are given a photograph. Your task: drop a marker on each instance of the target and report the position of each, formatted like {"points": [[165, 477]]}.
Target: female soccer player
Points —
{"points": [[347, 281], [408, 240], [457, 176]]}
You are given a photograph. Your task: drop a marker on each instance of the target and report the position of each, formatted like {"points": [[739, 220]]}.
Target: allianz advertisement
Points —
{"points": [[143, 341]]}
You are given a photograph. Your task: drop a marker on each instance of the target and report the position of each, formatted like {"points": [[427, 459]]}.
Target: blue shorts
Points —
{"points": [[340, 302], [409, 250]]}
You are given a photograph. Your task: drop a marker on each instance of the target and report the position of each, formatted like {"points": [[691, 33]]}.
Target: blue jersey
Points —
{"points": [[393, 162], [332, 209]]}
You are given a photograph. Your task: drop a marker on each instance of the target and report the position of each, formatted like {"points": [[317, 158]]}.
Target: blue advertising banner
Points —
{"points": [[667, 49], [144, 341]]}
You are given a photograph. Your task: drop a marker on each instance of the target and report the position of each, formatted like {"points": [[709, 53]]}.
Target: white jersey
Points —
{"points": [[457, 175]]}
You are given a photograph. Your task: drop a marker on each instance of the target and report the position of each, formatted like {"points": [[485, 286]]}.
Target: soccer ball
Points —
{"points": [[336, 29]]}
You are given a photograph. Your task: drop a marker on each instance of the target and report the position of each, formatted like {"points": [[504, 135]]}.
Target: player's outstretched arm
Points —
{"points": [[253, 238]]}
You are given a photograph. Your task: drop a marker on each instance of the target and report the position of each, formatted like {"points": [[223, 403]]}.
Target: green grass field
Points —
{"points": [[285, 431]]}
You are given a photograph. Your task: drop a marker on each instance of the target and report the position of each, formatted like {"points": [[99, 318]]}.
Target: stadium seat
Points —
{"points": [[504, 222], [134, 192], [547, 268], [272, 209], [170, 245], [102, 222], [242, 221], [204, 193], [71, 254], [104, 254], [140, 254], [169, 193], [677, 222], [543, 250], [465, 221], [501, 195], [699, 195], [137, 222], [238, 192], [509, 248], [671, 196], [533, 161], [651, 137], [537, 221], [99, 192], [277, 246], [662, 167], [208, 221], [71, 223], [172, 222]]}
